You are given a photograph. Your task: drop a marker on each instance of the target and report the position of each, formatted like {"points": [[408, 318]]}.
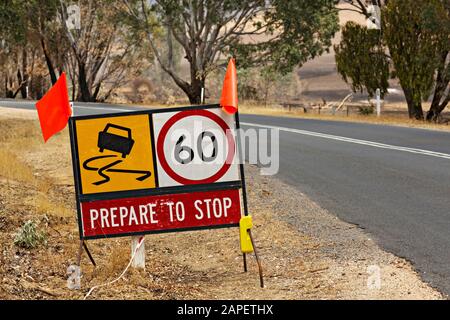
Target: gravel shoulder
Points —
{"points": [[306, 252]]}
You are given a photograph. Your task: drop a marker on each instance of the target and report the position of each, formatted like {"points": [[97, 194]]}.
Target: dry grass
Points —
{"points": [[45, 206], [191, 265], [24, 133], [12, 168], [16, 138], [385, 119]]}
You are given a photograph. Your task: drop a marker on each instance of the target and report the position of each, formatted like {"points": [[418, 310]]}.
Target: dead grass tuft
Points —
{"points": [[12, 168], [46, 207], [25, 131]]}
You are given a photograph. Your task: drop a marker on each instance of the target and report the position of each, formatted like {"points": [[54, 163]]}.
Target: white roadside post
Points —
{"points": [[378, 94], [139, 259], [373, 22]]}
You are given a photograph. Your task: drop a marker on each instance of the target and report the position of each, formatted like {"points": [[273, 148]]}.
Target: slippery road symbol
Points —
{"points": [[116, 143]]}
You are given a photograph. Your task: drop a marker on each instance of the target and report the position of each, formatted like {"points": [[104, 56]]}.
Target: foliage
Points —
{"points": [[279, 34], [366, 110], [35, 43], [415, 31], [434, 16], [264, 85], [441, 96], [29, 236], [102, 51], [361, 59], [295, 31]]}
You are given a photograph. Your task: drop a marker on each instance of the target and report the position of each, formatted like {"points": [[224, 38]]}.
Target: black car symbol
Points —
{"points": [[114, 142]]}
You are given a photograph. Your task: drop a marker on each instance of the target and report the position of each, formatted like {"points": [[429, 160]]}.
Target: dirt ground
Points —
{"points": [[306, 252]]}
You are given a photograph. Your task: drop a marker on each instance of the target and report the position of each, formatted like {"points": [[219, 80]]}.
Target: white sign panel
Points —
{"points": [[195, 147]]}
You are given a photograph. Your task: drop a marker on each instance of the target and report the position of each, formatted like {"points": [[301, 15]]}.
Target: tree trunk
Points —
{"points": [[414, 105], [437, 107], [8, 91], [194, 97], [418, 111], [442, 82], [24, 84], [74, 87], [51, 68], [84, 93], [20, 81], [96, 92], [6, 85], [194, 91]]}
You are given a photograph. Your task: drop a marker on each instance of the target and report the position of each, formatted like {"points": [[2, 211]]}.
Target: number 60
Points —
{"points": [[179, 149]]}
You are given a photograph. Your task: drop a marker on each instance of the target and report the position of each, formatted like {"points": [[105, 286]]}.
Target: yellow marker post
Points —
{"points": [[246, 224]]}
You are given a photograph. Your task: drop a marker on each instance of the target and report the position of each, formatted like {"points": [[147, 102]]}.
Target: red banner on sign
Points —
{"points": [[162, 212]]}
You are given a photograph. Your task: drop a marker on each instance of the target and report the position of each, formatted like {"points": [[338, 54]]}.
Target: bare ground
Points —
{"points": [[307, 253]]}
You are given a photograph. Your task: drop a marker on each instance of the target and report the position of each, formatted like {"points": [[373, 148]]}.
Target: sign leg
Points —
{"points": [[139, 258], [80, 250], [261, 279], [244, 256], [89, 254]]}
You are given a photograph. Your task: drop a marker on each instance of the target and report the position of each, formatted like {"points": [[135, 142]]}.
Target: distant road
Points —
{"points": [[81, 108], [392, 181]]}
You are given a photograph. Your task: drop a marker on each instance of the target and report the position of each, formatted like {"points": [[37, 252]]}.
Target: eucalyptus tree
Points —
{"points": [[278, 34]]}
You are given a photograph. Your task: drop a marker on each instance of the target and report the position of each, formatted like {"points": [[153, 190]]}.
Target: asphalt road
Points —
{"points": [[392, 181]]}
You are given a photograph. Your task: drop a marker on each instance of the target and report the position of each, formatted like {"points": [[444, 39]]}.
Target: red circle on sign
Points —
{"points": [[181, 115]]}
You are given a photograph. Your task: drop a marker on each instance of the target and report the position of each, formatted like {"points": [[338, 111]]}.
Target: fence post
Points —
{"points": [[378, 93], [139, 258]]}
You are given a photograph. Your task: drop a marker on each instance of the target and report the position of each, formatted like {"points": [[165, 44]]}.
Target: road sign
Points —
{"points": [[156, 171], [195, 147], [114, 153], [161, 212]]}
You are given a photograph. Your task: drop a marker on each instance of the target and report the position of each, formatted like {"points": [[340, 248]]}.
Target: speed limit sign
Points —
{"points": [[157, 171], [195, 147]]}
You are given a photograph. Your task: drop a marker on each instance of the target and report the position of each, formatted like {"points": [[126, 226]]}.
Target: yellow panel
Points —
{"points": [[113, 158], [245, 224]]}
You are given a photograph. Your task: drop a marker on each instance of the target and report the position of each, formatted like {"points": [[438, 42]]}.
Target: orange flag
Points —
{"points": [[229, 99], [54, 108]]}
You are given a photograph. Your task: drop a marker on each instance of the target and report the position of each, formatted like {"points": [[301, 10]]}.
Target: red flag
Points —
{"points": [[229, 99], [54, 108]]}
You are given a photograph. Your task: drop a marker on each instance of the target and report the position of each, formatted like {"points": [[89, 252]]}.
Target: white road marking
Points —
{"points": [[351, 140], [321, 135]]}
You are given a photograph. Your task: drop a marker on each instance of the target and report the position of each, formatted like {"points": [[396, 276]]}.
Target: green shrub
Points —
{"points": [[366, 110], [29, 236], [361, 59]]}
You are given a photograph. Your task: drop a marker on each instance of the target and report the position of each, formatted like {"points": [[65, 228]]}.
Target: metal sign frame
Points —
{"points": [[230, 185]]}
